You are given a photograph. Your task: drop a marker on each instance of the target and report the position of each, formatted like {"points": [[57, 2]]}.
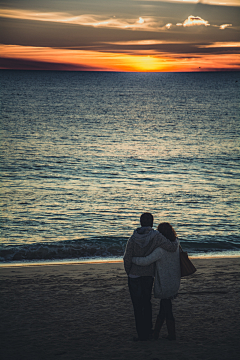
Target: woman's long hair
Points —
{"points": [[167, 230]]}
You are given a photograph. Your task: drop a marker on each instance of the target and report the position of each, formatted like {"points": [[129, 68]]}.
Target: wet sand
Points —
{"points": [[84, 311]]}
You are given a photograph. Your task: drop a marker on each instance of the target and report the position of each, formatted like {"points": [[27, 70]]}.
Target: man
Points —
{"points": [[140, 278]]}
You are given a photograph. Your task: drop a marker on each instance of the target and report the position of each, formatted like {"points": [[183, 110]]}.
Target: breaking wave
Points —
{"points": [[102, 247]]}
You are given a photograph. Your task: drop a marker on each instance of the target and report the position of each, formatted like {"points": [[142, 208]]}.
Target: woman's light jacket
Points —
{"points": [[167, 271]]}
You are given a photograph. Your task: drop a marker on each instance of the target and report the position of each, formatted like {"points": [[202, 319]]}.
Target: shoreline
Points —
{"points": [[101, 261]]}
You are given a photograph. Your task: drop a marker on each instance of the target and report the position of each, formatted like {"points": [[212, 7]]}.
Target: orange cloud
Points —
{"points": [[146, 23], [140, 42], [210, 2], [221, 44], [105, 60], [194, 20], [224, 26]]}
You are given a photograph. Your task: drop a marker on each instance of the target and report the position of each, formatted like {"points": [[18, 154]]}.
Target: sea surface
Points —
{"points": [[84, 154]]}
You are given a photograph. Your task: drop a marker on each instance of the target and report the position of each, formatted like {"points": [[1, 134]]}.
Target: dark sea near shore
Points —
{"points": [[83, 154]]}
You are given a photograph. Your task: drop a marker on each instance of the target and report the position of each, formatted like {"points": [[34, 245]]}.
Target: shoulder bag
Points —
{"points": [[187, 267]]}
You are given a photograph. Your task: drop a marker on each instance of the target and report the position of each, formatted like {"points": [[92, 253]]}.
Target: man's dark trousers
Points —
{"points": [[141, 290]]}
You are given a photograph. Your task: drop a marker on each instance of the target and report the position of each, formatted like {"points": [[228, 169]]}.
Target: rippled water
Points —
{"points": [[83, 154]]}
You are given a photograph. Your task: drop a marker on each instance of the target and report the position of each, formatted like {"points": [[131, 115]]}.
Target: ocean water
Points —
{"points": [[84, 154]]}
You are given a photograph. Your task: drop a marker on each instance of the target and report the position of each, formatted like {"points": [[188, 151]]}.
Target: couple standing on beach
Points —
{"points": [[153, 253]]}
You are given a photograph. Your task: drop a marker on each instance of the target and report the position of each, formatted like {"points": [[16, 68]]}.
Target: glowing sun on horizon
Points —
{"points": [[145, 63]]}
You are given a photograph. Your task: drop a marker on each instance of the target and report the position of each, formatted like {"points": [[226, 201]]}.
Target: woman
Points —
{"points": [[167, 280]]}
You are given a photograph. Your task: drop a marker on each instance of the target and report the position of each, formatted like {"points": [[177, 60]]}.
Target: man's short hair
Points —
{"points": [[146, 219]]}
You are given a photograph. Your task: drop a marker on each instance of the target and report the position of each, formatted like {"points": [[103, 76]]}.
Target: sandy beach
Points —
{"points": [[84, 311]]}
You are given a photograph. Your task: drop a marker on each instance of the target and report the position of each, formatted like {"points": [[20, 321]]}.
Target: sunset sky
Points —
{"points": [[120, 35]]}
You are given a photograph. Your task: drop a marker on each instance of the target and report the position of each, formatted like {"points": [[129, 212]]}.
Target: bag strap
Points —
{"points": [[181, 250]]}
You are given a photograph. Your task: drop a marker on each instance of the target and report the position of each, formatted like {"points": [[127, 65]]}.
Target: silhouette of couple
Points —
{"points": [[153, 254]]}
